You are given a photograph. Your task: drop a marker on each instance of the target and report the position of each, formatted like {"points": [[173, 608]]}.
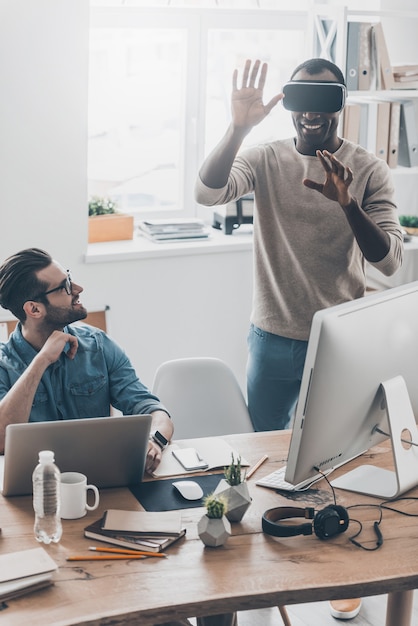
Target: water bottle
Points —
{"points": [[46, 499]]}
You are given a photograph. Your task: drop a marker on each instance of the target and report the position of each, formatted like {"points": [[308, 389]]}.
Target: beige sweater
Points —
{"points": [[305, 255]]}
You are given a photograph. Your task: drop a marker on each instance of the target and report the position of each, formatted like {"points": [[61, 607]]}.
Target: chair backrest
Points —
{"points": [[203, 397]]}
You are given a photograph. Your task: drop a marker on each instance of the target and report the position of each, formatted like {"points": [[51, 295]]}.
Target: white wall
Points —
{"points": [[160, 308]]}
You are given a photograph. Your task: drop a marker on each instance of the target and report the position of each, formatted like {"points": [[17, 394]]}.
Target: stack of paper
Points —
{"points": [[25, 571], [174, 230], [216, 452], [405, 76]]}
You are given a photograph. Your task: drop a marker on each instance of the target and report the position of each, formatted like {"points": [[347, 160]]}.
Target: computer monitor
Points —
{"points": [[360, 375]]}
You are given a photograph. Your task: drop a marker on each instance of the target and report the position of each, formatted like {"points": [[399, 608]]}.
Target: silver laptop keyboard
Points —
{"points": [[276, 480]]}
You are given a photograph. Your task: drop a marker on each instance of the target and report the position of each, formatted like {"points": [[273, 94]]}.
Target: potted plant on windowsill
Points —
{"points": [[409, 223], [214, 528], [234, 489], [106, 223]]}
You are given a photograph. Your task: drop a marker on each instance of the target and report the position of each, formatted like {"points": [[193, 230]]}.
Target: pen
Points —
{"points": [[257, 465], [126, 551]]}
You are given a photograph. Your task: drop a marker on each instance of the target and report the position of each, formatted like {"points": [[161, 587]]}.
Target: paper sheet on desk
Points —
{"points": [[216, 452]]}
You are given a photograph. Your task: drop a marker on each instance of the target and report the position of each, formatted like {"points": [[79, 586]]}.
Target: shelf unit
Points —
{"points": [[328, 39]]}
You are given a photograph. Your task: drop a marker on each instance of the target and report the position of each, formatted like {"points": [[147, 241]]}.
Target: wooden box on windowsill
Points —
{"points": [[114, 227]]}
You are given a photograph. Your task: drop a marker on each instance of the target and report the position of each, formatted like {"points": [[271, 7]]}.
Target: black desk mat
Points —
{"points": [[160, 495]]}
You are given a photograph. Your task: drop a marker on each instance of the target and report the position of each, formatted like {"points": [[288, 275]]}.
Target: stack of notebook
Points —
{"points": [[137, 530], [24, 572], [174, 230]]}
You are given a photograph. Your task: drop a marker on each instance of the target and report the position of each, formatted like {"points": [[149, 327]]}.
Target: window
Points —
{"points": [[159, 95]]}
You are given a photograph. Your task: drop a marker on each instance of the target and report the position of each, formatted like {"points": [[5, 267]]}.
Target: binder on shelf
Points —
{"points": [[351, 121], [364, 121], [365, 73], [382, 129], [374, 125], [356, 122], [384, 73], [393, 148], [359, 67], [352, 63], [408, 135]]}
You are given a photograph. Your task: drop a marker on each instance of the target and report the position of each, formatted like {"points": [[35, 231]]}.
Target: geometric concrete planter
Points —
{"points": [[213, 531], [237, 497]]}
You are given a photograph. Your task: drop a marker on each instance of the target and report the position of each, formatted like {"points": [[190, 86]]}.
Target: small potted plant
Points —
{"points": [[214, 528], [234, 489], [409, 223], [106, 223]]}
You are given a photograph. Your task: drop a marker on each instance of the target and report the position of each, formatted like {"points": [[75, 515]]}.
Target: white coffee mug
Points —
{"points": [[74, 490]]}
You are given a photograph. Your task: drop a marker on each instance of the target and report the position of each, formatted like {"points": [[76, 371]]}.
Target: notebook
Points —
{"points": [[110, 451]]}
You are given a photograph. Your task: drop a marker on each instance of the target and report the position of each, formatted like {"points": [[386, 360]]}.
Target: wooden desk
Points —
{"points": [[251, 571]]}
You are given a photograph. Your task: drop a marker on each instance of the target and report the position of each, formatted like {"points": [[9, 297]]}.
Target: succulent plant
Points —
{"points": [[215, 506], [101, 206], [232, 473]]}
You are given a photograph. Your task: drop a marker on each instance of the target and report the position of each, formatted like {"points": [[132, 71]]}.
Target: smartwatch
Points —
{"points": [[159, 439]]}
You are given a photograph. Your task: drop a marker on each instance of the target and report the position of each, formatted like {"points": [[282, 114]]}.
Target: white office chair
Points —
{"points": [[203, 397]]}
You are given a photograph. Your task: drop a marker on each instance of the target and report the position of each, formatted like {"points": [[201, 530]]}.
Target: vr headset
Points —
{"points": [[311, 97]]}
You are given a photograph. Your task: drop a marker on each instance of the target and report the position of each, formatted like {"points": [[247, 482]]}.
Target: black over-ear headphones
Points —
{"points": [[328, 522]]}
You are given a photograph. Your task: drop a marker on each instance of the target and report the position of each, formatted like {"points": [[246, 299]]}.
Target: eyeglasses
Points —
{"points": [[66, 284]]}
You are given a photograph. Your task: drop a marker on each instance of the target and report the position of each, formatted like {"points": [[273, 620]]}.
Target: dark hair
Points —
{"points": [[316, 66], [18, 281]]}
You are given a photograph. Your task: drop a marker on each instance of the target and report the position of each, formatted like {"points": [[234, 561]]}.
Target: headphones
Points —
{"points": [[330, 521]]}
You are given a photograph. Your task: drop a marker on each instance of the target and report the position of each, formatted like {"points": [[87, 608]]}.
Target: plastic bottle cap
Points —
{"points": [[46, 456]]}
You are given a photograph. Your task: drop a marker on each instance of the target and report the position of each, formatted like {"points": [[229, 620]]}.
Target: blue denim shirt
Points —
{"points": [[100, 375]]}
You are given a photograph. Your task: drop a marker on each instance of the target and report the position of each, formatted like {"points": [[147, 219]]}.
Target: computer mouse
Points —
{"points": [[189, 489]]}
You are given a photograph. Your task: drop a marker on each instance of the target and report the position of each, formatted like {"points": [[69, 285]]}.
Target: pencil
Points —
{"points": [[125, 551], [112, 557], [257, 465]]}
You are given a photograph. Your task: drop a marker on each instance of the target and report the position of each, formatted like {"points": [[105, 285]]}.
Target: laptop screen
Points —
{"points": [[110, 451]]}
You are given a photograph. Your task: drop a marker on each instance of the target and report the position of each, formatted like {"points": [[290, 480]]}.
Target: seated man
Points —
{"points": [[51, 370]]}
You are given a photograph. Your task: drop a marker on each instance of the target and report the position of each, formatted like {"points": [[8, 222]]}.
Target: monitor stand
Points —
{"points": [[382, 483]]}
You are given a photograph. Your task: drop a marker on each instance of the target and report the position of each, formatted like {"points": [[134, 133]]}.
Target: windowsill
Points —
{"points": [[142, 248]]}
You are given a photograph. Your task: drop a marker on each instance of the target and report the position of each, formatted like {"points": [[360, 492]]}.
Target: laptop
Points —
{"points": [[110, 451]]}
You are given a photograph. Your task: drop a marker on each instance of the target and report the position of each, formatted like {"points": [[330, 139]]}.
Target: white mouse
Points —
{"points": [[189, 489]]}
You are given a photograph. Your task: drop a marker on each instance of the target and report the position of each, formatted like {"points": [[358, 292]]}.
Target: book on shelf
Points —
{"points": [[24, 572], [151, 543], [172, 230]]}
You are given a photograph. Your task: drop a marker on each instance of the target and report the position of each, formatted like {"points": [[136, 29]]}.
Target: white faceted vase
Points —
{"points": [[213, 531], [237, 497]]}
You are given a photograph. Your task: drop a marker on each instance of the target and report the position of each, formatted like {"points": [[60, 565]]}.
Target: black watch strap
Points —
{"points": [[159, 439]]}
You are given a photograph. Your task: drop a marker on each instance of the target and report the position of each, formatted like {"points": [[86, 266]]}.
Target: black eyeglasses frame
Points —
{"points": [[68, 286]]}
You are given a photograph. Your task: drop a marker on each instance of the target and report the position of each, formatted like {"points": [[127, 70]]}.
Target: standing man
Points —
{"points": [[52, 370], [323, 207]]}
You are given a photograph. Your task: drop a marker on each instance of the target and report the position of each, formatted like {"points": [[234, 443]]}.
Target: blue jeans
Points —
{"points": [[274, 373]]}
